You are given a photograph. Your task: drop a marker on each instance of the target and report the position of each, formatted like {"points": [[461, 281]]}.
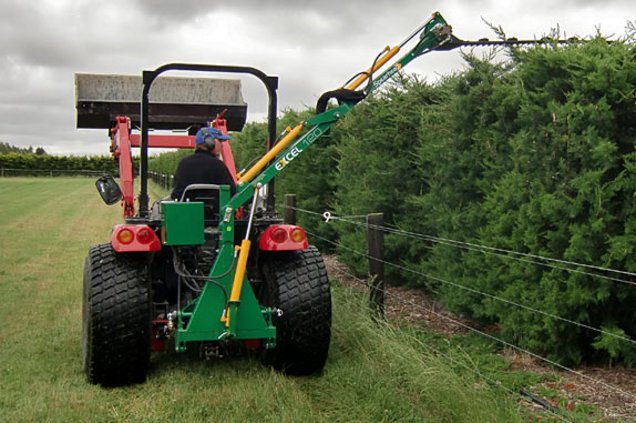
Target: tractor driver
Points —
{"points": [[204, 166]]}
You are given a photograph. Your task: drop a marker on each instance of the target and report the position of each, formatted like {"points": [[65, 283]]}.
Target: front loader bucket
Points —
{"points": [[175, 103]]}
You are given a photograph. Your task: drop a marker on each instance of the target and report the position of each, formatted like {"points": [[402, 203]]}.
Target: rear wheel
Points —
{"points": [[297, 284], [116, 316]]}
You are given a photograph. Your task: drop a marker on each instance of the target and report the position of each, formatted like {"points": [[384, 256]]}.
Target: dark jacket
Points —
{"points": [[201, 168]]}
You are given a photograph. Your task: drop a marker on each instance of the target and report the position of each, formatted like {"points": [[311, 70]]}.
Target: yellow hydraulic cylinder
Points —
{"points": [[237, 285], [389, 52], [291, 135]]}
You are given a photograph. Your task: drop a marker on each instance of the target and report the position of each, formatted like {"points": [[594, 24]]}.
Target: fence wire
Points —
{"points": [[491, 296], [485, 249], [10, 172], [469, 289]]}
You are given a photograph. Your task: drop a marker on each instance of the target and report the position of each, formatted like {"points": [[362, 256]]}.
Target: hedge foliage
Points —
{"points": [[534, 155]]}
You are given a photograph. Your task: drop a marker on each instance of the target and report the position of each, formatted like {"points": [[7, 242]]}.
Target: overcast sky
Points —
{"points": [[312, 46]]}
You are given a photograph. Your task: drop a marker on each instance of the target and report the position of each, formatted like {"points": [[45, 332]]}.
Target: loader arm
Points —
{"points": [[121, 146]]}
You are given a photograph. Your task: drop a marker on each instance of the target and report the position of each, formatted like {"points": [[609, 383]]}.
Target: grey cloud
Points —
{"points": [[268, 11], [601, 5], [31, 37]]}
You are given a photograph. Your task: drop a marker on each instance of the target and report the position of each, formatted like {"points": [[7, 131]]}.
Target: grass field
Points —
{"points": [[374, 373]]}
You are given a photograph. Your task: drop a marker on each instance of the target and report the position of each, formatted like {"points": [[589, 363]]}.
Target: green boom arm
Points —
{"points": [[433, 34], [253, 321]]}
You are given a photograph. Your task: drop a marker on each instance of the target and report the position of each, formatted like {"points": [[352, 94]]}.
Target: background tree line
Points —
{"points": [[32, 161], [534, 155], [5, 147]]}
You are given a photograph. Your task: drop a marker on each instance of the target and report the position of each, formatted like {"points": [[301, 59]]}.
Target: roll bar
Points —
{"points": [[148, 77]]}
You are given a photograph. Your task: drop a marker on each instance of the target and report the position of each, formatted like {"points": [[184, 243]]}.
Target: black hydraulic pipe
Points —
{"points": [[148, 77]]}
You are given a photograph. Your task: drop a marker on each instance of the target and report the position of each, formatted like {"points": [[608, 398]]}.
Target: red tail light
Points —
{"points": [[279, 235], [144, 236], [131, 238]]}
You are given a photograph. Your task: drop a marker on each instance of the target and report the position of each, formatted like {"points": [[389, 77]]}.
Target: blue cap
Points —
{"points": [[204, 133]]}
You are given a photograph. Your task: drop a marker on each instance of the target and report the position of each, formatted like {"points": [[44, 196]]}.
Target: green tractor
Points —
{"points": [[219, 269]]}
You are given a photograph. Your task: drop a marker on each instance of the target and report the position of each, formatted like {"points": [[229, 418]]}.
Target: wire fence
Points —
{"points": [[485, 294], [164, 180], [574, 267], [9, 172], [486, 250], [569, 266]]}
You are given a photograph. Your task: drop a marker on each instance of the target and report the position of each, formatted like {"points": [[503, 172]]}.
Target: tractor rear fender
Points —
{"points": [[283, 238], [127, 238]]}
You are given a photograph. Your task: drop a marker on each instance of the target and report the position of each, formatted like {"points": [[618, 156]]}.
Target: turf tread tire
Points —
{"points": [[116, 317], [297, 283]]}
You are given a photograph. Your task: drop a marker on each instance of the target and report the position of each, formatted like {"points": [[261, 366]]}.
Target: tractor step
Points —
{"points": [[175, 103]]}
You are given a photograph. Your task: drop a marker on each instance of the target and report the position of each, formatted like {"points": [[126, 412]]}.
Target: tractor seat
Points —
{"points": [[208, 194]]}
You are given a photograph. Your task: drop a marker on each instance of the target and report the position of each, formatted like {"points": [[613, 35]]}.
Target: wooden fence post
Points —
{"points": [[375, 239], [290, 209]]}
